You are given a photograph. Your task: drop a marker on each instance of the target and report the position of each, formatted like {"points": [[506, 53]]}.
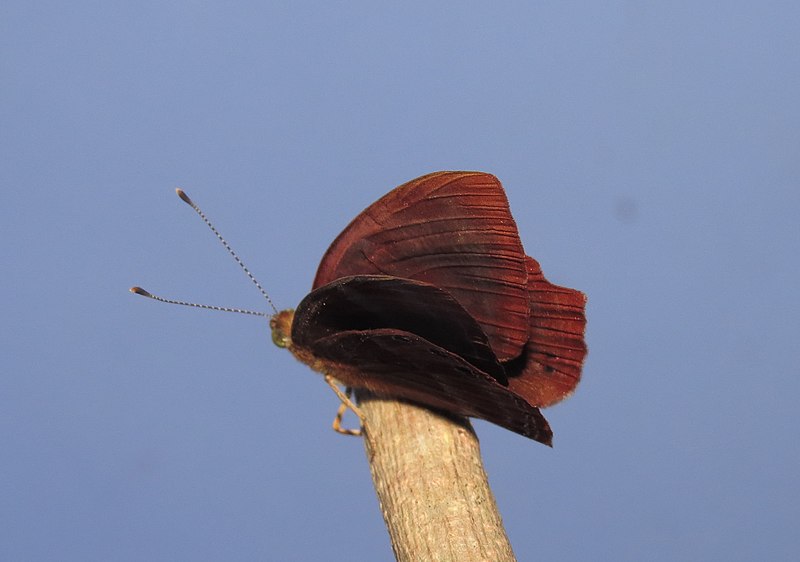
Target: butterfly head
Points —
{"points": [[281, 326]]}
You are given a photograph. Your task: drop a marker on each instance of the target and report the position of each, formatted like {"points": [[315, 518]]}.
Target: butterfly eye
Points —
{"points": [[279, 339]]}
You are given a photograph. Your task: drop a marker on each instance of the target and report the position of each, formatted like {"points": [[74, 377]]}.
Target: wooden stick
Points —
{"points": [[431, 485]]}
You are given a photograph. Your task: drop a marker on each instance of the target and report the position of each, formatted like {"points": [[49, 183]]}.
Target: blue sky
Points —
{"points": [[651, 155]]}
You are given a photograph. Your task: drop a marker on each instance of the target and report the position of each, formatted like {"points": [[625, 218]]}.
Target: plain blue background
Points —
{"points": [[651, 155]]}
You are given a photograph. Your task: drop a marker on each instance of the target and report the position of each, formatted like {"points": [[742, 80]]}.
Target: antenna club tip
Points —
{"points": [[182, 194], [139, 291]]}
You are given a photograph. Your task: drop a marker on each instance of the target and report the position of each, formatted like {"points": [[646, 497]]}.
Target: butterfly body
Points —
{"points": [[428, 296]]}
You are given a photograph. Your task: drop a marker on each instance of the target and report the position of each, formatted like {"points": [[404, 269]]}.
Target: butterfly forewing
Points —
{"points": [[453, 230]]}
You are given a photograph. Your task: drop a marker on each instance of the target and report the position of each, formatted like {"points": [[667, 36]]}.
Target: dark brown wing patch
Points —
{"points": [[366, 302], [403, 365]]}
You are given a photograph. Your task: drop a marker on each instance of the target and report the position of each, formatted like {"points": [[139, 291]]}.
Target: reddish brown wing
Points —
{"points": [[453, 230], [403, 365], [550, 368], [369, 302]]}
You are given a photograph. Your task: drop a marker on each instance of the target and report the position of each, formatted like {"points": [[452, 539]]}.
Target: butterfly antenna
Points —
{"points": [[140, 291], [188, 201]]}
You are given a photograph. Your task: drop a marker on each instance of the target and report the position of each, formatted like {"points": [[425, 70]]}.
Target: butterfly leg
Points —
{"points": [[346, 404]]}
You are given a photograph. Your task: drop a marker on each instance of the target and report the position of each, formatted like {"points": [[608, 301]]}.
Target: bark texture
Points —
{"points": [[431, 485]]}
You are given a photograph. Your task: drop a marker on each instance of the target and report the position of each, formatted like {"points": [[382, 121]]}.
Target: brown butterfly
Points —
{"points": [[428, 296]]}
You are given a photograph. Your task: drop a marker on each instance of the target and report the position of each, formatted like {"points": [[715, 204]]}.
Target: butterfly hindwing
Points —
{"points": [[550, 368], [402, 365]]}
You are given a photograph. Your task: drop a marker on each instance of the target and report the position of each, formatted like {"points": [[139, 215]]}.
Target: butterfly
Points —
{"points": [[428, 296]]}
